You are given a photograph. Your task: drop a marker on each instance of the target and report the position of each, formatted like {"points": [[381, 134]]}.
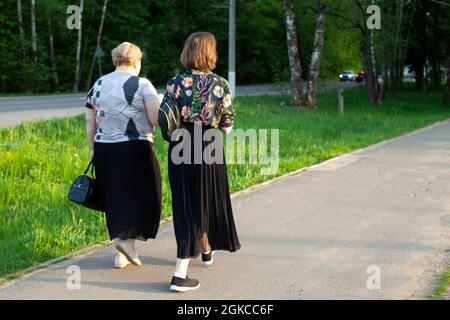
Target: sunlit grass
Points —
{"points": [[443, 288], [39, 160]]}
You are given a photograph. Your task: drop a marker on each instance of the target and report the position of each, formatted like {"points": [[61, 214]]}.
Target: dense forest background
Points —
{"points": [[160, 27]]}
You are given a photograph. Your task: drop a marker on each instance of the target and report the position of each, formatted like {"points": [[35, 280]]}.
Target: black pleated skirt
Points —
{"points": [[129, 182], [201, 202]]}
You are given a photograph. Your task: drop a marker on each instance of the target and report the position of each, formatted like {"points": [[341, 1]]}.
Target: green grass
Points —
{"points": [[39, 160], [443, 288]]}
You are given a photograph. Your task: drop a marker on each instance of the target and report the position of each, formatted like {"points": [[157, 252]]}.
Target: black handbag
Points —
{"points": [[84, 190], [169, 119]]}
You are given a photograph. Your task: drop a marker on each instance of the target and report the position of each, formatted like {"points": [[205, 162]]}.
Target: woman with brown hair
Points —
{"points": [[202, 212]]}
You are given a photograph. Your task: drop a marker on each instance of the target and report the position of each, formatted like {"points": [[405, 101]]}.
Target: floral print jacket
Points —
{"points": [[202, 98]]}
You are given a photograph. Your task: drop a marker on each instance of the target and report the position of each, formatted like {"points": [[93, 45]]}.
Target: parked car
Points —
{"points": [[347, 76], [360, 76]]}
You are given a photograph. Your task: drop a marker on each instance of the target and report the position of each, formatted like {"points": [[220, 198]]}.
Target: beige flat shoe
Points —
{"points": [[126, 248], [120, 261]]}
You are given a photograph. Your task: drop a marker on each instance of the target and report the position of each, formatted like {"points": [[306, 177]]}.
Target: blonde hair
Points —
{"points": [[126, 54], [199, 52]]}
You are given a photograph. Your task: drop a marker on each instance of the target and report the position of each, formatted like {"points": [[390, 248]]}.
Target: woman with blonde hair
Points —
{"points": [[122, 110], [202, 212]]}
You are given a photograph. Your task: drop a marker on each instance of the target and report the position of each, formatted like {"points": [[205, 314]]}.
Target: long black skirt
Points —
{"points": [[200, 200], [129, 182]]}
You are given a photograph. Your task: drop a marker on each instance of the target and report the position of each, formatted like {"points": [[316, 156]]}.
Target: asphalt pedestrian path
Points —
{"points": [[373, 224]]}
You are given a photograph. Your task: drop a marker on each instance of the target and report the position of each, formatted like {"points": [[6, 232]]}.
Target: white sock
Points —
{"points": [[207, 252], [181, 268]]}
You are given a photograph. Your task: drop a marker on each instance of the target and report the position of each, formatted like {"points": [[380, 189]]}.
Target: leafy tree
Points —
{"points": [[413, 33]]}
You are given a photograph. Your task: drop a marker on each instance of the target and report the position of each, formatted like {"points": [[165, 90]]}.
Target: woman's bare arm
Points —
{"points": [[152, 107], [91, 128]]}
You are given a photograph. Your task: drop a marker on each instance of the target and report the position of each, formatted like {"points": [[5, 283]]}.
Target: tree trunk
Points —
{"points": [[76, 85], [434, 49], [395, 77], [52, 50], [294, 56], [394, 80], [21, 32], [33, 32], [445, 100], [384, 85], [99, 36], [367, 61], [406, 40], [87, 32], [316, 55], [435, 72], [386, 61], [421, 44], [373, 59], [425, 79]]}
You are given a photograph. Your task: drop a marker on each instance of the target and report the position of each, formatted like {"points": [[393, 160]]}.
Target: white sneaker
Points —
{"points": [[126, 247], [120, 261]]}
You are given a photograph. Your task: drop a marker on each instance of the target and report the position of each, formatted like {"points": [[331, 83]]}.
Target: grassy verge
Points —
{"points": [[443, 288], [39, 161]]}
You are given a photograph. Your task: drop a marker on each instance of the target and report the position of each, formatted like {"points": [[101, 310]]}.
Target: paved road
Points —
{"points": [[14, 110], [308, 236]]}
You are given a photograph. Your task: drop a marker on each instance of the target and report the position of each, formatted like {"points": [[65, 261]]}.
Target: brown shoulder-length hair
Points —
{"points": [[199, 52]]}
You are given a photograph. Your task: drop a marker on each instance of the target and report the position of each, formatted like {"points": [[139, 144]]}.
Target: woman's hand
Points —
{"points": [[226, 130]]}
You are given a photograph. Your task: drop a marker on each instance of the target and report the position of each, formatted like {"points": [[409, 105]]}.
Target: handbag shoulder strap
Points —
{"points": [[91, 167]]}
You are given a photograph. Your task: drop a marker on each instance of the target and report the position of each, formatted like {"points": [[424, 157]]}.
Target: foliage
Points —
{"points": [[160, 27]]}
